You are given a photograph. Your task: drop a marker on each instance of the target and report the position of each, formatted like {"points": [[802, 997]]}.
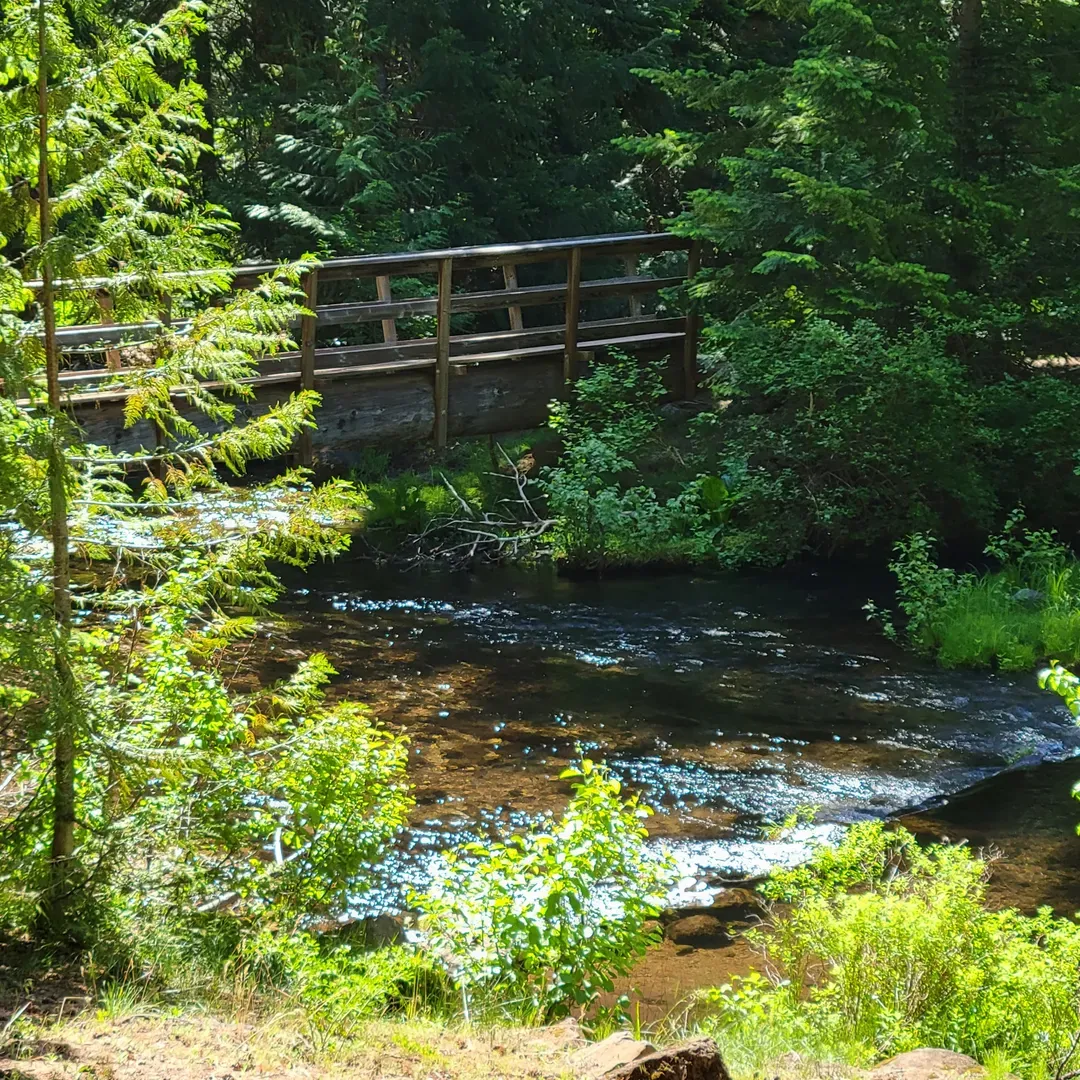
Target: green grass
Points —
{"points": [[1007, 620], [1012, 618]]}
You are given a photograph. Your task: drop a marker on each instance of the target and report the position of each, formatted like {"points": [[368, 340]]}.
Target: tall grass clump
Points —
{"points": [[881, 946], [1025, 611]]}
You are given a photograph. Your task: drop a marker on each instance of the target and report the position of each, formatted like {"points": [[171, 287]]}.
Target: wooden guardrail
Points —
{"points": [[589, 272]]}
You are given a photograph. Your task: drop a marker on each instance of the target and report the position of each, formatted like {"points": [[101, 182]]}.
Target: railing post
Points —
{"points": [[636, 306], [693, 326], [510, 280], [389, 326], [308, 324], [105, 307], [573, 314], [442, 353]]}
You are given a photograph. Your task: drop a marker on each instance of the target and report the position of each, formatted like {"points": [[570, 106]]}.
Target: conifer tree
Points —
{"points": [[127, 726], [909, 161]]}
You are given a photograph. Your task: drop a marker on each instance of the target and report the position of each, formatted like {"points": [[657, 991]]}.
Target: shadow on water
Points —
{"points": [[728, 702], [1028, 817]]}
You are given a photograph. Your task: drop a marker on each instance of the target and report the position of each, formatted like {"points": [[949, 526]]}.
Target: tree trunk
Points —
{"points": [[968, 17], [63, 704], [203, 54]]}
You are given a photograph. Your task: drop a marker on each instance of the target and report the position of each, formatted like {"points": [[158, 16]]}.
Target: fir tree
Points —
{"points": [[128, 728]]}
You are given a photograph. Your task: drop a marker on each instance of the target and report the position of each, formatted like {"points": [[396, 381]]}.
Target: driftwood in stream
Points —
{"points": [[473, 534]]}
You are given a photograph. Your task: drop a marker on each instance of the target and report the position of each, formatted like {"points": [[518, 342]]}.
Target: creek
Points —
{"points": [[728, 702]]}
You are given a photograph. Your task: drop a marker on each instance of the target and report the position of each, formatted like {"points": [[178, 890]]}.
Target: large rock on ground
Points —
{"points": [[602, 1059], [928, 1065], [696, 1060], [699, 931]]}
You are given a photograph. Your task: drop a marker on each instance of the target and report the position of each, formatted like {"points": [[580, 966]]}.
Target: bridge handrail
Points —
{"points": [[350, 266]]}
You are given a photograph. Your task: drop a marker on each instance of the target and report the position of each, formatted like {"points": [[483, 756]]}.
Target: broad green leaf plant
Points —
{"points": [[546, 921]]}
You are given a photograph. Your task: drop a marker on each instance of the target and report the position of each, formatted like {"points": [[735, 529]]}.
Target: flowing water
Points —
{"points": [[729, 702]]}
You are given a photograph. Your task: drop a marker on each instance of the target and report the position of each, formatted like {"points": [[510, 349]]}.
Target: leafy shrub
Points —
{"points": [[1027, 610], [607, 514], [838, 437], [274, 802], [911, 958], [551, 917]]}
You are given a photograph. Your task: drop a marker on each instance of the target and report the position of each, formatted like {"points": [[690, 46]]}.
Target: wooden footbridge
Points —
{"points": [[433, 344]]}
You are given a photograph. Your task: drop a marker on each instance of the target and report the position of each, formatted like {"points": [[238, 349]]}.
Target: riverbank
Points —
{"points": [[55, 1026], [199, 1046]]}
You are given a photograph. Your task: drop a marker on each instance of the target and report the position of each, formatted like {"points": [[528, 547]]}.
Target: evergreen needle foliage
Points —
{"points": [[144, 780]]}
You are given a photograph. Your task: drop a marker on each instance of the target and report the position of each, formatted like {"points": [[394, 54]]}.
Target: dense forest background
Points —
{"points": [[887, 193]]}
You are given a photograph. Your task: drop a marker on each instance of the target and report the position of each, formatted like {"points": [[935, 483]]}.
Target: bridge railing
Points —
{"points": [[315, 365]]}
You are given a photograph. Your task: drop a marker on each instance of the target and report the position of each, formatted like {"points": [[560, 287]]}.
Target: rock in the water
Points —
{"points": [[604, 1058], [738, 905], [696, 1060], [700, 931], [927, 1065]]}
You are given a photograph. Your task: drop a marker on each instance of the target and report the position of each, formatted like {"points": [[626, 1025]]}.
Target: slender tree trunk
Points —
{"points": [[203, 53], [964, 257], [968, 16], [63, 838], [968, 19]]}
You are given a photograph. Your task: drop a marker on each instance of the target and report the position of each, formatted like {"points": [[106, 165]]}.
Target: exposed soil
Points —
{"points": [[193, 1047]]}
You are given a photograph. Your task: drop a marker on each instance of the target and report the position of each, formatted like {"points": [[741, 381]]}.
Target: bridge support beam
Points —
{"points": [[693, 327]]}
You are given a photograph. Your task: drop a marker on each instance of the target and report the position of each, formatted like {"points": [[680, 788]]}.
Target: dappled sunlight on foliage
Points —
{"points": [[910, 958]]}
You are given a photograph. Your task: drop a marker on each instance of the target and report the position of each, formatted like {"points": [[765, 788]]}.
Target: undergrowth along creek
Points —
{"points": [[873, 947], [1024, 611], [617, 480]]}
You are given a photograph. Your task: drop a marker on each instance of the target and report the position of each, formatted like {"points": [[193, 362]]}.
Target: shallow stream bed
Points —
{"points": [[729, 702]]}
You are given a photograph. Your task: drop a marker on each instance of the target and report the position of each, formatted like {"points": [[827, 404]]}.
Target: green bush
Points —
{"points": [[1012, 617], [551, 917], [840, 437], [910, 958], [607, 514]]}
